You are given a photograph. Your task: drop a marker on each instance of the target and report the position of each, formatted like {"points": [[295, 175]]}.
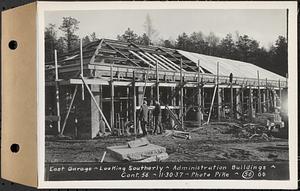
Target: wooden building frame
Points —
{"points": [[123, 74]]}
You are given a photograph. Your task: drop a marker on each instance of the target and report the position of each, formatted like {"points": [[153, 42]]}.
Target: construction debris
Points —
{"points": [[140, 150], [138, 143], [247, 130], [269, 119], [156, 158], [178, 134]]}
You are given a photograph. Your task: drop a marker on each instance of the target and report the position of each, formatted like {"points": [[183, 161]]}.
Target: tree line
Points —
{"points": [[237, 47]]}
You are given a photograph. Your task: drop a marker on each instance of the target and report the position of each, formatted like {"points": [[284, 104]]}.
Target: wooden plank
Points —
{"points": [[93, 98], [120, 53], [172, 115], [134, 104], [81, 69], [144, 60], [138, 143], [157, 82], [218, 92], [92, 61], [159, 62], [211, 104], [170, 62], [177, 59], [69, 110], [251, 114], [280, 96], [112, 104], [267, 102], [181, 94], [259, 93], [122, 152], [231, 101], [165, 62], [57, 92], [155, 158]]}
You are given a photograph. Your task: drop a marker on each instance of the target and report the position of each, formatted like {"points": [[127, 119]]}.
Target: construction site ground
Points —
{"points": [[207, 143]]}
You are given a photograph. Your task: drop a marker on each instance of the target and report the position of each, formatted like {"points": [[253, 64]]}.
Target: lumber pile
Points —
{"points": [[139, 150], [248, 130], [269, 119]]}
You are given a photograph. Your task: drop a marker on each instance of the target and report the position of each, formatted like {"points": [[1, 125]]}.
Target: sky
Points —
{"points": [[263, 25]]}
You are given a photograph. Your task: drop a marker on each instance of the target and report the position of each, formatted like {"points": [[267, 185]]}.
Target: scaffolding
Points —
{"points": [[120, 75]]}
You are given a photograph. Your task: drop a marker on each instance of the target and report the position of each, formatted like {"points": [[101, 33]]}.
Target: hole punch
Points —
{"points": [[14, 148], [12, 44]]}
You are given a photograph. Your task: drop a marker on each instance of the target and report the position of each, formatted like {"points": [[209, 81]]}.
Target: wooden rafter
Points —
{"points": [[150, 57], [92, 61], [112, 47], [144, 60], [176, 58], [164, 61], [169, 61]]}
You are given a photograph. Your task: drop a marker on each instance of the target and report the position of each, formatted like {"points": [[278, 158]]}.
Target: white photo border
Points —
{"points": [[292, 95]]}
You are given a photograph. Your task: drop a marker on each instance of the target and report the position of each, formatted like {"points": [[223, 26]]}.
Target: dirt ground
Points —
{"points": [[209, 143]]}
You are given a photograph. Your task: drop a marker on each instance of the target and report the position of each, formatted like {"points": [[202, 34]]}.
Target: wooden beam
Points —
{"points": [[264, 104], [280, 96], [170, 62], [181, 94], [157, 82], [69, 110], [141, 58], [212, 103], [242, 99], [251, 113], [199, 93], [57, 92], [259, 93], [203, 96], [93, 98], [120, 53], [145, 86], [158, 61], [238, 105], [176, 58], [199, 67], [165, 62], [81, 69], [231, 101], [267, 102], [219, 96], [112, 105], [150, 57], [134, 104], [92, 61]]}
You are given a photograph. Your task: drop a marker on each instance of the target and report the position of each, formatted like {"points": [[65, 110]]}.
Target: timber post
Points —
{"points": [[134, 104], [219, 104], [251, 113], [157, 82], [81, 69], [199, 94], [259, 93], [57, 92], [181, 95], [112, 91]]}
